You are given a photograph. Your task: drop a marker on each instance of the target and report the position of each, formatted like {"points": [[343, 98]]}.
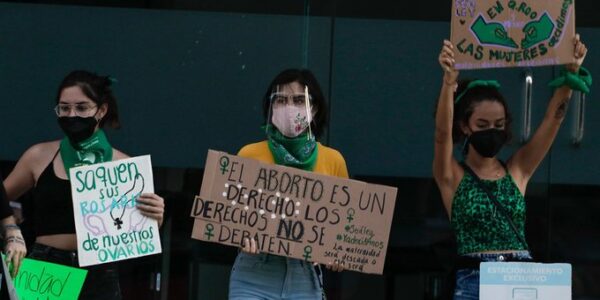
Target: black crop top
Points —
{"points": [[53, 206]]}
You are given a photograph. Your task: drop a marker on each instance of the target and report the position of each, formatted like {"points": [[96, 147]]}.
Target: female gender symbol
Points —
{"points": [[209, 230], [351, 212], [307, 252]]}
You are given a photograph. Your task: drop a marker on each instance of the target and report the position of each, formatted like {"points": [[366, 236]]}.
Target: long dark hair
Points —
{"points": [[306, 78], [465, 107], [97, 88]]}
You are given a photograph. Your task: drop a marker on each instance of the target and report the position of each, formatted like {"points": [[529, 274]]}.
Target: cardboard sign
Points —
{"points": [[108, 224], [510, 33], [294, 213], [513, 280], [43, 280]]}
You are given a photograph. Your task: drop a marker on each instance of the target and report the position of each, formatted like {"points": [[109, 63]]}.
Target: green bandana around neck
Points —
{"points": [[299, 152], [93, 150]]}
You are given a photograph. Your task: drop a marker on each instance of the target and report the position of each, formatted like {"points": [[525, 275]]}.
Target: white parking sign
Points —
{"points": [[524, 281]]}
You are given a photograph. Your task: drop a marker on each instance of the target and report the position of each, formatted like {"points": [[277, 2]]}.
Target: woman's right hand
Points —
{"points": [[15, 250], [250, 246], [446, 60]]}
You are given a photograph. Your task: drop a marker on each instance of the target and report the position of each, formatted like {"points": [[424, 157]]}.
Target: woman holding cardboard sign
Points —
{"points": [[295, 111], [84, 105], [483, 196]]}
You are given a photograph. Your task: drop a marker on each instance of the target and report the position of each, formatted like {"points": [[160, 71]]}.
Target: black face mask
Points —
{"points": [[78, 129], [488, 142]]}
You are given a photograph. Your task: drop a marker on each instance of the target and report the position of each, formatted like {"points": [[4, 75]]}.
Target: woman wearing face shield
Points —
{"points": [[475, 114], [85, 104], [295, 112]]}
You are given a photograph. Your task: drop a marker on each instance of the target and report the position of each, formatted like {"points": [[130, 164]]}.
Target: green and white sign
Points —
{"points": [[524, 281], [109, 226]]}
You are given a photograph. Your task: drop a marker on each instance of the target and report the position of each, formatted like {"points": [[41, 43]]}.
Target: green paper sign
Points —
{"points": [[42, 280]]}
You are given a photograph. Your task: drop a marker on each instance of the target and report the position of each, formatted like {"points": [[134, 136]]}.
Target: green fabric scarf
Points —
{"points": [[95, 149], [299, 152]]}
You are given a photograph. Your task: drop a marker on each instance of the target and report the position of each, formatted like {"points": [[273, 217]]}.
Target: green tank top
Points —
{"points": [[478, 225]]}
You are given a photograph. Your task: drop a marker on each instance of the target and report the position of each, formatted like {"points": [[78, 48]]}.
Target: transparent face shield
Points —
{"points": [[290, 111]]}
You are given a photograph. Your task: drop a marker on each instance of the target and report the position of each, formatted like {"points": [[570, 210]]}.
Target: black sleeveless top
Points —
{"points": [[53, 206]]}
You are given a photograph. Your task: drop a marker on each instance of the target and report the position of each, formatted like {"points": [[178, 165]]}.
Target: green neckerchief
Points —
{"points": [[95, 149], [299, 152]]}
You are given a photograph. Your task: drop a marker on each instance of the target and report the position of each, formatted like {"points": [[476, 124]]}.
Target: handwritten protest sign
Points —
{"points": [[294, 213], [108, 224], [43, 280], [509, 33]]}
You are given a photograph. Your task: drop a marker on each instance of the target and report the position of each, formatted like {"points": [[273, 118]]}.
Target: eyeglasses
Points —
{"points": [[295, 99], [81, 109]]}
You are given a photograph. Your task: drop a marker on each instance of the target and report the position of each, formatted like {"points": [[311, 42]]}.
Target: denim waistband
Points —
{"points": [[522, 255], [54, 255], [54, 251], [68, 257], [472, 260], [266, 258]]}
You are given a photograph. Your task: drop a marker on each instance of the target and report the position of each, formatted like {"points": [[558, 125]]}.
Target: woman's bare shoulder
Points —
{"points": [[117, 154]]}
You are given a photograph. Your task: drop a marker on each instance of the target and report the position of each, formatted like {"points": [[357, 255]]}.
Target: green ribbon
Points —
{"points": [[580, 81], [475, 83], [299, 152], [93, 150]]}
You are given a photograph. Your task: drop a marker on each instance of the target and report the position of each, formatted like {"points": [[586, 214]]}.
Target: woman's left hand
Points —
{"points": [[579, 54], [152, 205]]}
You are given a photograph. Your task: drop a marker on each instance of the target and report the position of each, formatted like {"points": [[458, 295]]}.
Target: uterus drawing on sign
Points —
{"points": [[94, 224], [97, 225], [136, 221], [119, 207]]}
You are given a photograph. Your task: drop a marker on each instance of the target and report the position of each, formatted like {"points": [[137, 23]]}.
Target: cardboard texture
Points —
{"points": [[109, 226], [510, 33], [294, 213]]}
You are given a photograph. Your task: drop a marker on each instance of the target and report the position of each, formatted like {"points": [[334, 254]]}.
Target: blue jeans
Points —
{"points": [[467, 280], [101, 282], [267, 277]]}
